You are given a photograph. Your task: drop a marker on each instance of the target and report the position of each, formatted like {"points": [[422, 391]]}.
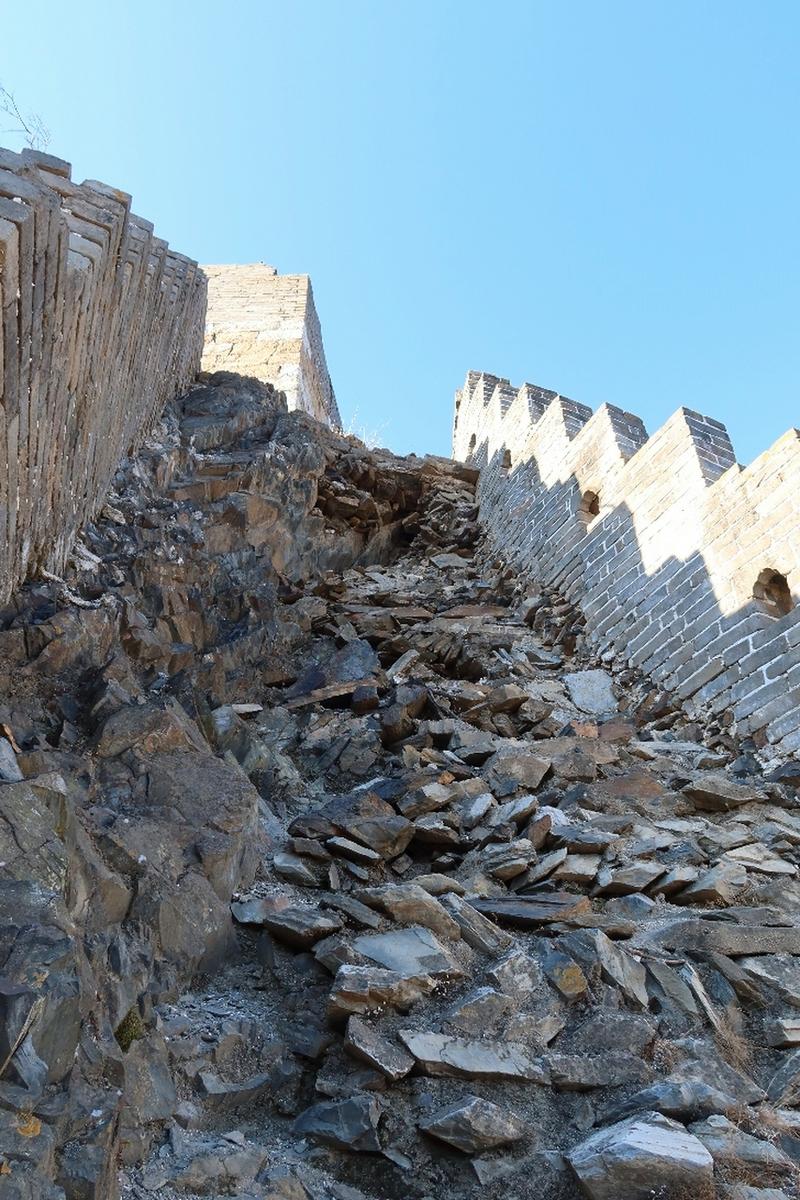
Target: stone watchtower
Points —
{"points": [[264, 324]]}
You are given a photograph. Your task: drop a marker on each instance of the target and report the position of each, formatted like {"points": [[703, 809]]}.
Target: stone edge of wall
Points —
{"points": [[665, 570], [101, 325]]}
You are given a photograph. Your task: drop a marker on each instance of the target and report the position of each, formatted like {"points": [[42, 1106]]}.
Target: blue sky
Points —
{"points": [[600, 197]]}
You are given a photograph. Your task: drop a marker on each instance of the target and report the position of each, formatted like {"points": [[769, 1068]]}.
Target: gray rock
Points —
{"points": [[473, 1124], [464, 1058], [713, 791], [408, 903], [411, 952], [480, 1012], [477, 931], [350, 1124], [729, 1144], [364, 989], [582, 1072], [637, 1157], [296, 925], [684, 1100], [369, 1046], [591, 691]]}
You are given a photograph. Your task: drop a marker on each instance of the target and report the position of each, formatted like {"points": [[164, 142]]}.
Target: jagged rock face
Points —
{"points": [[330, 866]]}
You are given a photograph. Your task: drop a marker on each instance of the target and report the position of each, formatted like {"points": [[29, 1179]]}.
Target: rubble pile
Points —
{"points": [[333, 866]]}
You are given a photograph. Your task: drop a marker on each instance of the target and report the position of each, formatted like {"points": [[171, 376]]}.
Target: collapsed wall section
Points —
{"points": [[684, 562], [101, 325], [264, 324]]}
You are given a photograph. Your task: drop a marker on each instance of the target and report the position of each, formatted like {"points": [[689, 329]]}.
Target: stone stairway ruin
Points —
{"points": [[342, 856]]}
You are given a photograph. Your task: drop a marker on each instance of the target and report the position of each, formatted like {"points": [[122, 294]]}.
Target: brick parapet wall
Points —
{"points": [[665, 570], [264, 324], [101, 325]]}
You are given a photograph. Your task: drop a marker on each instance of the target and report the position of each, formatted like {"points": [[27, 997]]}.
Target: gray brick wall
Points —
{"points": [[665, 570]]}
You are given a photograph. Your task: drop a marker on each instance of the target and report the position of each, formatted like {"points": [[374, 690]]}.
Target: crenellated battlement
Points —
{"points": [[682, 560]]}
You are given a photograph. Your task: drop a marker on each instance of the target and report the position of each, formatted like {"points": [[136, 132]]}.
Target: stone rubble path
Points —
{"points": [[345, 870]]}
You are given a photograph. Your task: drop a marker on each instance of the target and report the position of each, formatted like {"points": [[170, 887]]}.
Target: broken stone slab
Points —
{"points": [[465, 1058], [638, 1157], [592, 947], [343, 847], [350, 1124], [783, 1031], [477, 931], [713, 791], [720, 885], [473, 1125], [367, 1045], [529, 912], [295, 925], [514, 812], [508, 860], [363, 990], [633, 877], [577, 868], [510, 769], [295, 869], [411, 952], [409, 903], [682, 1099], [727, 937], [479, 1012], [755, 856], [779, 971], [591, 691], [583, 1072], [784, 1086], [728, 1144]]}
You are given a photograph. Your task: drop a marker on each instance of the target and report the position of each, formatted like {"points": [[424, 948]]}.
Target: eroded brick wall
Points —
{"points": [[673, 550], [264, 324], [101, 324]]}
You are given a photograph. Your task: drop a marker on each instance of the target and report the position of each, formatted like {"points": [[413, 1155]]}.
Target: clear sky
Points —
{"points": [[599, 196]]}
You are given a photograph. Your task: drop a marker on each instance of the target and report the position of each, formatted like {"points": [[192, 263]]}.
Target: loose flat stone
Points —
{"points": [[362, 990], [778, 971], [473, 1125], [354, 851], [582, 1072], [295, 869], [296, 925], [350, 1124], [591, 691], [409, 903], [410, 952], [726, 937], [480, 1011], [367, 1045], [715, 792], [638, 1157], [525, 912], [621, 881], [616, 965], [684, 1100], [466, 1058], [477, 931], [578, 868], [566, 976], [728, 1144], [757, 857], [720, 885], [508, 860], [784, 1087]]}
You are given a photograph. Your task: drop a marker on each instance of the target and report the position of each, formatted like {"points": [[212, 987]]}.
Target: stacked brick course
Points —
{"points": [[684, 562], [264, 324], [100, 325]]}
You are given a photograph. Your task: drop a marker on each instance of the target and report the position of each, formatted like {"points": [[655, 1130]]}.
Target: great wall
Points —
{"points": [[375, 827]]}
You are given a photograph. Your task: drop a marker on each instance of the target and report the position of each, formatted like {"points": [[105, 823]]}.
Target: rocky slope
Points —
{"points": [[333, 866]]}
